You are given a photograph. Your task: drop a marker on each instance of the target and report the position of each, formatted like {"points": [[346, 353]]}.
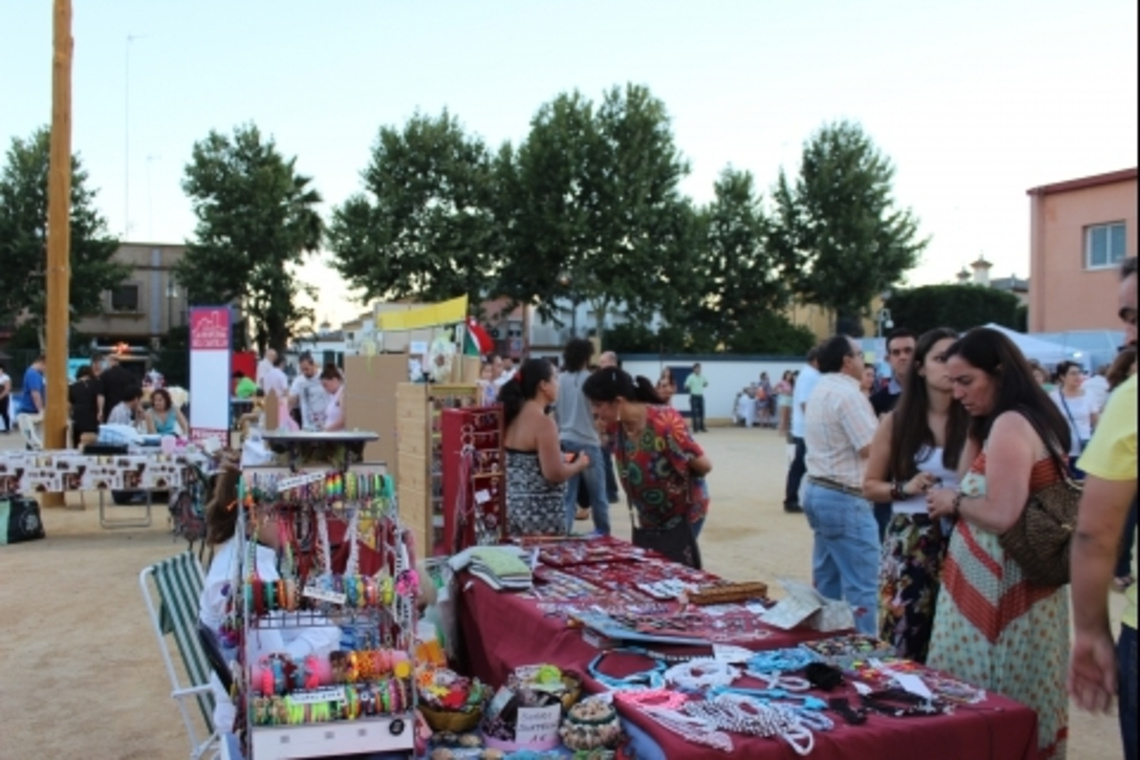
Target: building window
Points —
{"points": [[125, 298], [1104, 245]]}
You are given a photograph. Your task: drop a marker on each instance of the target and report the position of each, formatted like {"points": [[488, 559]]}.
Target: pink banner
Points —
{"points": [[210, 328]]}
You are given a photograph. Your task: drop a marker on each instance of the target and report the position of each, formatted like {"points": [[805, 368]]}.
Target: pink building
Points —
{"points": [[1080, 231]]}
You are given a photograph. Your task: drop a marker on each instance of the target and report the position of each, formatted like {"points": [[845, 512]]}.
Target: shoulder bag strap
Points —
{"points": [[1065, 406], [1052, 445]]}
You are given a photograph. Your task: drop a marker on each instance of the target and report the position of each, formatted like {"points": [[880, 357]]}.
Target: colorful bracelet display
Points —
{"points": [[355, 592], [280, 675], [346, 702]]}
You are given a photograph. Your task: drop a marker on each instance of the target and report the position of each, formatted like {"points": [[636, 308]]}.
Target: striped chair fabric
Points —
{"points": [[179, 581]]}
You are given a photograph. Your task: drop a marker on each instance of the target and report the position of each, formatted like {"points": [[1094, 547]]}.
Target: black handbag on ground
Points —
{"points": [[19, 520], [1041, 539]]}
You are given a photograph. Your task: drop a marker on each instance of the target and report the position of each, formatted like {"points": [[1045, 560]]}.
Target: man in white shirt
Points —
{"points": [[308, 394], [275, 379], [838, 427], [805, 382], [267, 363]]}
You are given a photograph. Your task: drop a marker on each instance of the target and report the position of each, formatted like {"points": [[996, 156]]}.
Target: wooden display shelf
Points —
{"points": [[417, 423]]}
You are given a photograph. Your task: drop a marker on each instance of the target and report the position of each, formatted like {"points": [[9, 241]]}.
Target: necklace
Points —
{"points": [[701, 673], [651, 678], [690, 728], [746, 716]]}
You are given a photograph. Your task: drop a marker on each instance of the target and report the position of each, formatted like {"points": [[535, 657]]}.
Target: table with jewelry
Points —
{"points": [[746, 690]]}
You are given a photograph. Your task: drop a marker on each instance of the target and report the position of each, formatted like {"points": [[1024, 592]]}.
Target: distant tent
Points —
{"points": [[1035, 348]]}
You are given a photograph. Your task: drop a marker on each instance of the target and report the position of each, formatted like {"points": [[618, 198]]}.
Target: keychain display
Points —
{"points": [[475, 489]]}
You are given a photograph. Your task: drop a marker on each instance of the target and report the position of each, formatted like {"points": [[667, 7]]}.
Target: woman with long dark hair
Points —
{"points": [[993, 628], [536, 472], [661, 467], [916, 447]]}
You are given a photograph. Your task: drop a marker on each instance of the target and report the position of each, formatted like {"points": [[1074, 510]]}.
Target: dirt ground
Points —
{"points": [[82, 676]]}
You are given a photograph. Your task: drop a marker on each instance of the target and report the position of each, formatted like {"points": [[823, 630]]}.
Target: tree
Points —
{"points": [[23, 237], [257, 220], [838, 229], [423, 227], [545, 203], [740, 277], [598, 216], [958, 306]]}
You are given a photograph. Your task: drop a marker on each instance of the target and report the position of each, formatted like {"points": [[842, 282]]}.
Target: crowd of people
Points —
{"points": [[910, 488]]}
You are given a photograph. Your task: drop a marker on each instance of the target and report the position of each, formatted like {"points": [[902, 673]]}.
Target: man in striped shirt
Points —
{"points": [[838, 427]]}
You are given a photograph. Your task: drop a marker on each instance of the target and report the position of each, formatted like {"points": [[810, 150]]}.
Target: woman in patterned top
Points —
{"points": [[536, 471], [661, 467]]}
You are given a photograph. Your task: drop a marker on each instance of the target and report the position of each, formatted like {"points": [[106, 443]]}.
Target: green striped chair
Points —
{"points": [[171, 589]]}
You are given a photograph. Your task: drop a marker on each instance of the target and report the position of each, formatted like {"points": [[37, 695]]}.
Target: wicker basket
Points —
{"points": [[451, 720]]}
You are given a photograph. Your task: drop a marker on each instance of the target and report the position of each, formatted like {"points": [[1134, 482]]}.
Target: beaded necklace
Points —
{"points": [[781, 660], [746, 716], [701, 673], [691, 729], [652, 678]]}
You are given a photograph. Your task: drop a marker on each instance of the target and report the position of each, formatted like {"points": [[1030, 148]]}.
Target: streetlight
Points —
{"points": [[171, 296], [883, 319]]}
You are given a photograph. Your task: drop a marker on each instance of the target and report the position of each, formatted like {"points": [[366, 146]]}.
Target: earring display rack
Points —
{"points": [[474, 478], [419, 457], [360, 697]]}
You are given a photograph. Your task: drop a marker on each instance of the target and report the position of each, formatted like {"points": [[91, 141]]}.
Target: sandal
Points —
{"points": [[1121, 583], [582, 514]]}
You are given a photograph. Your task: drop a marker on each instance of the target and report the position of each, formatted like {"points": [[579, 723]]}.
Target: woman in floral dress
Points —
{"points": [[661, 467], [993, 627], [916, 448]]}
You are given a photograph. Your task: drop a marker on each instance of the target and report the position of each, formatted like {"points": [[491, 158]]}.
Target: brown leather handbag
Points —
{"points": [[1041, 538]]}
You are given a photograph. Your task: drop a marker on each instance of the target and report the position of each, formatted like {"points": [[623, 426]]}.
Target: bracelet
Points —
{"points": [[958, 502], [898, 491]]}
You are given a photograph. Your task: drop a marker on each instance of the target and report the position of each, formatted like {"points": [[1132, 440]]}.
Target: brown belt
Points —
{"points": [[835, 485]]}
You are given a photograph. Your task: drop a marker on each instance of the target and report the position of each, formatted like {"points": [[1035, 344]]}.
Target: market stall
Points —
{"points": [[504, 631]]}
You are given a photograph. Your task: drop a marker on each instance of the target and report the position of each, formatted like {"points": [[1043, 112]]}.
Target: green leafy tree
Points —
{"points": [[23, 237], [838, 229], [257, 221], [741, 279], [546, 200], [598, 216], [424, 226], [957, 306]]}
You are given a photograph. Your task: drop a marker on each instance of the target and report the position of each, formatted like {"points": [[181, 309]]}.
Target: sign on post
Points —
{"points": [[210, 353]]}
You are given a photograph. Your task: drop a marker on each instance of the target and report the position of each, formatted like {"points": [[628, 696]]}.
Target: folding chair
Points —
{"points": [[178, 582]]}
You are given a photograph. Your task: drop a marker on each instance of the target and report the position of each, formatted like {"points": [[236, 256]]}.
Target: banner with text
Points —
{"points": [[210, 355]]}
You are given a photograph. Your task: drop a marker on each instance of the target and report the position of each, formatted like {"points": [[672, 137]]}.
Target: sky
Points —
{"points": [[974, 102]]}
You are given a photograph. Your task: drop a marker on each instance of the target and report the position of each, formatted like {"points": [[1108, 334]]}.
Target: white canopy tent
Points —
{"points": [[1034, 348]]}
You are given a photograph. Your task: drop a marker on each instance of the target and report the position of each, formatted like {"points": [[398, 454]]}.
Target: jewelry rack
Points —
{"points": [[474, 482], [360, 698]]}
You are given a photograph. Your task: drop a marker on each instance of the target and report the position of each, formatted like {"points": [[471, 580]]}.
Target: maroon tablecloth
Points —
{"points": [[502, 631]]}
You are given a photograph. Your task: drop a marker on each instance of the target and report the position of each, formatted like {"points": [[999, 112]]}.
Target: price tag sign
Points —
{"points": [[318, 696], [321, 595], [482, 497], [731, 654], [537, 725]]}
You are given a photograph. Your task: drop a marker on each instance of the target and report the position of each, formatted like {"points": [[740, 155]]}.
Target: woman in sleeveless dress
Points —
{"points": [[536, 472], [993, 628], [916, 448]]}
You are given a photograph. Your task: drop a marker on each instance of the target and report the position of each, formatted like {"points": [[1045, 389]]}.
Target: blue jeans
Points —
{"points": [[845, 555], [1126, 680], [697, 410], [595, 478]]}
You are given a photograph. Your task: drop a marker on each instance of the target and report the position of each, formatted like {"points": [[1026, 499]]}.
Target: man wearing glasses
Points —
{"points": [[900, 353]]}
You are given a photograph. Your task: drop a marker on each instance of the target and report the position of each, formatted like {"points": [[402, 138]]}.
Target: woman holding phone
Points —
{"points": [[916, 447]]}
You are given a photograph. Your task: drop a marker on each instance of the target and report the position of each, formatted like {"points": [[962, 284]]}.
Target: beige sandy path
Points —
{"points": [[80, 673]]}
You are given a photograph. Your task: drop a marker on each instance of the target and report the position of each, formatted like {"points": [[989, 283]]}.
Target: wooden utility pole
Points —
{"points": [[59, 234]]}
